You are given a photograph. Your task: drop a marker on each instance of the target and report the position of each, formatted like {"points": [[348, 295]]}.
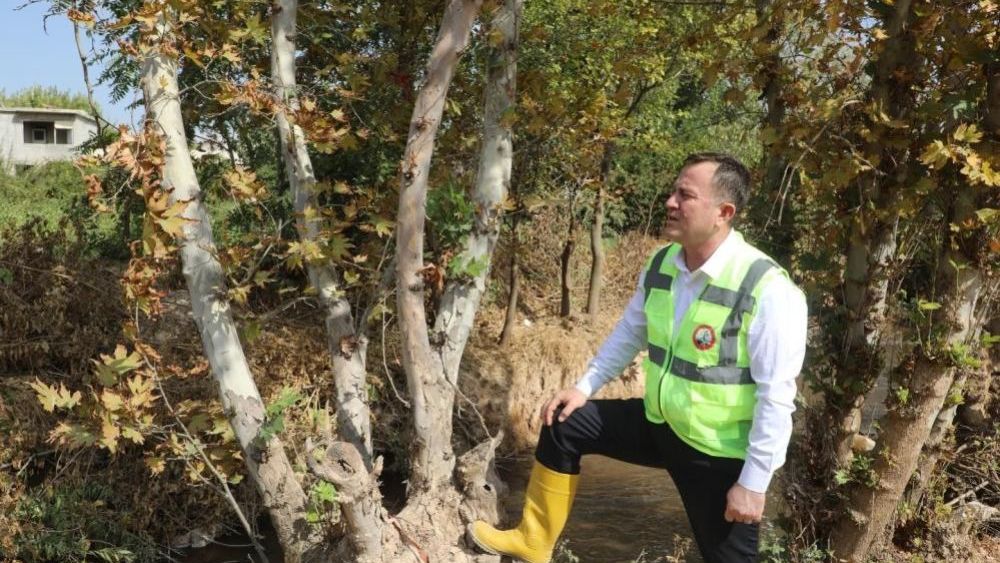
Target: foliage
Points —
{"points": [[640, 82], [77, 524], [876, 128], [274, 422], [322, 501], [51, 195], [57, 308], [38, 96], [859, 471], [450, 212]]}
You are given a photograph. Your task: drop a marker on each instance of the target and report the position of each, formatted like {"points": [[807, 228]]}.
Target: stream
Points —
{"points": [[641, 511]]}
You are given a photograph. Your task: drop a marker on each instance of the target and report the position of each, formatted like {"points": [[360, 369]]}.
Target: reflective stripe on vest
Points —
{"points": [[703, 387]]}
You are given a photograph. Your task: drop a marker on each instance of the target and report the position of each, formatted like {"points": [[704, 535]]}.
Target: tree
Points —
{"points": [[266, 460], [44, 97], [860, 125], [437, 493]]}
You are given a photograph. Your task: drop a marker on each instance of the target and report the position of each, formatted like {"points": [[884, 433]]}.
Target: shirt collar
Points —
{"points": [[718, 260]]}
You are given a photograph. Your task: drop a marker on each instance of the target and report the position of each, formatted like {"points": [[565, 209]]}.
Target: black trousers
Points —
{"points": [[619, 429]]}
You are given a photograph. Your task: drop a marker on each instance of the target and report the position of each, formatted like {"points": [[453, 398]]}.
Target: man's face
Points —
{"points": [[694, 210]]}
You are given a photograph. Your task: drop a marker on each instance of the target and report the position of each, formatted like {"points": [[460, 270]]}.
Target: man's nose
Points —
{"points": [[672, 200]]}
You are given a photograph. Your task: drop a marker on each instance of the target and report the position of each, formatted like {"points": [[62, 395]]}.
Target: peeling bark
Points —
{"points": [[928, 375], [346, 346], [359, 498], [873, 236], [432, 394], [931, 452], [461, 296], [267, 464]]}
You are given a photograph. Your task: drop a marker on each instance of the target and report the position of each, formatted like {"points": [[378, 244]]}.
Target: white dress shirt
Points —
{"points": [[776, 342]]}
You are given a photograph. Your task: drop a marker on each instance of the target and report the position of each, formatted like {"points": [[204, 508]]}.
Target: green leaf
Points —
{"points": [[383, 226], [274, 422], [903, 395], [928, 305], [286, 398], [321, 494], [985, 215], [106, 375], [250, 331], [338, 247], [324, 491]]}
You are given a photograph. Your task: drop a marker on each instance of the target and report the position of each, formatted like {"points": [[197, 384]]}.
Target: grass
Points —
{"points": [[54, 193]]}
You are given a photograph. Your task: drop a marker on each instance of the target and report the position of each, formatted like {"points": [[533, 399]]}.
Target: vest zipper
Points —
{"points": [[667, 364]]}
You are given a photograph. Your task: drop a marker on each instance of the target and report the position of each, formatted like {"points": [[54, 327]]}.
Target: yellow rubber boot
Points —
{"points": [[547, 503]]}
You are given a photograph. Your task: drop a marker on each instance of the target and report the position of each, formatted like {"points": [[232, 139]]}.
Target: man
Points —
{"points": [[725, 332]]}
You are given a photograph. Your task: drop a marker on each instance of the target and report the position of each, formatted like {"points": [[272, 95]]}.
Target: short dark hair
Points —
{"points": [[731, 179]]}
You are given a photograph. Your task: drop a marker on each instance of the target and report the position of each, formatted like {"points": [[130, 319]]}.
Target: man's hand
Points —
{"points": [[569, 399], [744, 505]]}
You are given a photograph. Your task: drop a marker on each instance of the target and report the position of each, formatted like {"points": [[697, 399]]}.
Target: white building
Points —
{"points": [[30, 136]]}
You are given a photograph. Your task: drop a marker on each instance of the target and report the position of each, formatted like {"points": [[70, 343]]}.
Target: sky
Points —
{"points": [[32, 54]]}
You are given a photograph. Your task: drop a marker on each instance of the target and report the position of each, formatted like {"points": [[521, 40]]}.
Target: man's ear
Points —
{"points": [[727, 211]]}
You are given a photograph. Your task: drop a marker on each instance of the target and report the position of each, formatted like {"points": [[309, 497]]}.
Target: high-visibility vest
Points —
{"points": [[698, 374]]}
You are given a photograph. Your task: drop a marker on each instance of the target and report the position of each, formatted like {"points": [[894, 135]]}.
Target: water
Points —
{"points": [[620, 510], [234, 549]]}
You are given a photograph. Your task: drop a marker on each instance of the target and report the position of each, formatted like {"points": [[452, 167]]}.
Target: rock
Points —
{"points": [[861, 443], [975, 416], [195, 539], [969, 516]]}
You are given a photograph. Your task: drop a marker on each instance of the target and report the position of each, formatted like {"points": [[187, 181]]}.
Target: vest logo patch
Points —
{"points": [[703, 337]]}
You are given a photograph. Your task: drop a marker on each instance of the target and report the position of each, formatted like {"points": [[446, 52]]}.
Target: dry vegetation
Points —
{"points": [[68, 309]]}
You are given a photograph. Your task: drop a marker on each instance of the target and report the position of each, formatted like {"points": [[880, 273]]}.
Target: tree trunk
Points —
{"points": [[431, 393], [976, 408], [975, 412], [597, 234], [872, 243], [991, 120], [347, 348], [267, 464], [462, 295], [778, 178], [565, 273], [866, 284], [443, 499], [908, 424], [514, 283], [934, 446], [361, 500], [597, 228], [98, 118]]}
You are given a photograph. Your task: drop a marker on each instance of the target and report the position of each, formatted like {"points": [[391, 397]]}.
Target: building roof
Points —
{"points": [[58, 111]]}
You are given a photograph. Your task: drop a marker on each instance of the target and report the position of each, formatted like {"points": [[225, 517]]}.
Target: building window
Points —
{"points": [[62, 136], [40, 132]]}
